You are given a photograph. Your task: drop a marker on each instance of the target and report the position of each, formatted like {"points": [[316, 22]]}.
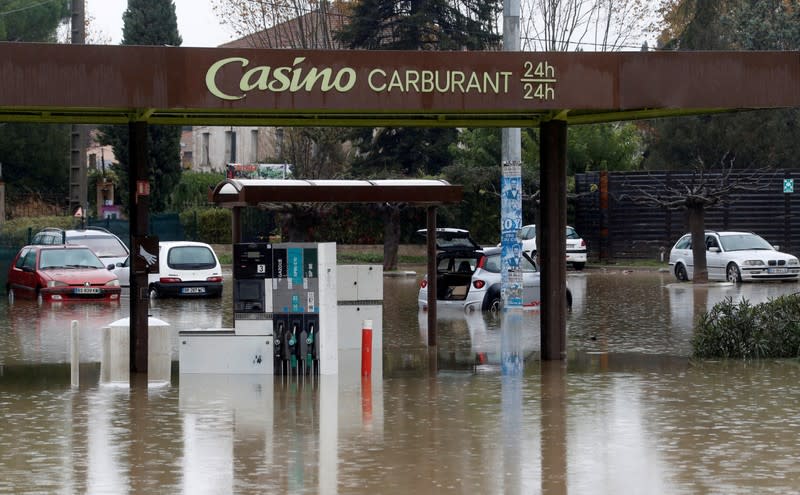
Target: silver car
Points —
{"points": [[469, 277], [734, 257]]}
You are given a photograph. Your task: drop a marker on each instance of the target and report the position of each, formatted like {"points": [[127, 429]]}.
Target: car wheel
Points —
{"points": [[39, 297], [732, 273], [11, 295], [569, 300], [578, 266], [493, 302], [153, 292], [680, 273]]}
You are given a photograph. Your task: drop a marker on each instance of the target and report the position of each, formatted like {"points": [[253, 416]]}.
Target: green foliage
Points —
{"points": [[32, 20], [427, 25], [15, 232], [765, 138], [149, 22], [742, 330], [596, 147], [209, 225], [192, 190], [35, 157]]}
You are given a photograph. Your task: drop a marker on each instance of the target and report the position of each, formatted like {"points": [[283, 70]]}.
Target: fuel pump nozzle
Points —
{"points": [[292, 342], [311, 347]]}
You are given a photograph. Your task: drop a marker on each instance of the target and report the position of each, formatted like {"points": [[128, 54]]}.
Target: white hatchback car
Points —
{"points": [[576, 246], [735, 257], [186, 269]]}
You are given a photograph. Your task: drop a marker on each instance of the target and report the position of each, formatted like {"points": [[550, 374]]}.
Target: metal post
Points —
{"points": [[551, 241], [431, 237], [138, 206]]}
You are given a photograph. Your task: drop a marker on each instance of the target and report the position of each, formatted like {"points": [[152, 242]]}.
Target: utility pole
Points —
{"points": [[78, 187], [511, 217]]}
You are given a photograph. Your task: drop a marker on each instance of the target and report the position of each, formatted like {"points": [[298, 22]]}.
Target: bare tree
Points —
{"points": [[592, 25], [315, 153], [703, 188], [282, 23]]}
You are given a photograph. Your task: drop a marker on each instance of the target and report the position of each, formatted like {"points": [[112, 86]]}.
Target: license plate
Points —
{"points": [[777, 270], [193, 290], [87, 290]]}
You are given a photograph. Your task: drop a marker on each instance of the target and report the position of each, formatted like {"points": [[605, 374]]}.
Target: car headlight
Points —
{"points": [[112, 283], [793, 262], [753, 262], [56, 283]]}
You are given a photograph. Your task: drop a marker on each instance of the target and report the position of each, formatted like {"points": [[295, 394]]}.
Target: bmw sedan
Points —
{"points": [[734, 257]]}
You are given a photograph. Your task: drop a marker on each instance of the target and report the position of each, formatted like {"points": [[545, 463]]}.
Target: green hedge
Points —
{"points": [[210, 225], [15, 232], [745, 331]]}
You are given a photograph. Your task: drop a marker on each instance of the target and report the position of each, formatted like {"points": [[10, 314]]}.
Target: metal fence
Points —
{"points": [[617, 224]]}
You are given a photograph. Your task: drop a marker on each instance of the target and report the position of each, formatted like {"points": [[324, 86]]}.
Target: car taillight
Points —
{"points": [[423, 283], [478, 284], [169, 280], [481, 261], [583, 243], [214, 279]]}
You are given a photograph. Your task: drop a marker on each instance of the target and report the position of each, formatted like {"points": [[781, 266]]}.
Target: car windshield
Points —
{"points": [[102, 246], [191, 258], [68, 258], [743, 242]]}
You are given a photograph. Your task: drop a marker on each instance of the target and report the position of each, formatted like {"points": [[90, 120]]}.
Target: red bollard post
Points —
{"points": [[366, 348]]}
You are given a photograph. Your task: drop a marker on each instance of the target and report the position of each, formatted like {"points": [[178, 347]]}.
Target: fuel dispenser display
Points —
{"points": [[284, 299], [278, 286]]}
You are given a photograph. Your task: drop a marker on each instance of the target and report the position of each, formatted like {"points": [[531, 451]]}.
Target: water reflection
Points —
{"points": [[628, 412]]}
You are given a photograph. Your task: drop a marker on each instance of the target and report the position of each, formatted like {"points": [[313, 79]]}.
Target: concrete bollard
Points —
{"points": [[115, 365], [74, 353], [159, 356]]}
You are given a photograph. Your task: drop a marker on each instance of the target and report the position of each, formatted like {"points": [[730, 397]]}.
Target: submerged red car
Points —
{"points": [[60, 273]]}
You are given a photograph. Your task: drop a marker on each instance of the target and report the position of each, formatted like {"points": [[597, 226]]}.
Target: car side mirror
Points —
{"points": [[111, 266], [27, 269], [714, 249], [776, 247]]}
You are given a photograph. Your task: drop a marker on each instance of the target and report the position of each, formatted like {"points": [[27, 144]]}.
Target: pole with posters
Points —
{"points": [[511, 218]]}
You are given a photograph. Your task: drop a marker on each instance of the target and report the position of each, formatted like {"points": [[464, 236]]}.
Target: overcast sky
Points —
{"points": [[197, 23]]}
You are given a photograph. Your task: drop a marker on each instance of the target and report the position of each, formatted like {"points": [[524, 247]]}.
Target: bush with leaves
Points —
{"points": [[746, 331]]}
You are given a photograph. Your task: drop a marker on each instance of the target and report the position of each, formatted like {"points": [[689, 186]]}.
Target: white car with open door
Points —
{"points": [[469, 276]]}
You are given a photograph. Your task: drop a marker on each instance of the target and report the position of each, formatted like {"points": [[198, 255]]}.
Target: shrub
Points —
{"points": [[742, 330], [210, 225], [15, 232]]}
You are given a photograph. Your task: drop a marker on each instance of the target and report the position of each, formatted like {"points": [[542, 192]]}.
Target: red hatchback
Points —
{"points": [[60, 273]]}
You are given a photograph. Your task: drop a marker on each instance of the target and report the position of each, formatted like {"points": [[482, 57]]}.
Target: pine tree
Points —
{"points": [[149, 22], [413, 25]]}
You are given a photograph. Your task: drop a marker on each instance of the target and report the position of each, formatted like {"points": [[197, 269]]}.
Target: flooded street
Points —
{"points": [[628, 412]]}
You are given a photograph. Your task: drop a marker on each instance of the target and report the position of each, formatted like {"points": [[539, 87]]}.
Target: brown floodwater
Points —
{"points": [[628, 412]]}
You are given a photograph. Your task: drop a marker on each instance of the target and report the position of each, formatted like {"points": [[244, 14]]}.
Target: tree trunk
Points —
{"points": [[697, 227], [391, 237]]}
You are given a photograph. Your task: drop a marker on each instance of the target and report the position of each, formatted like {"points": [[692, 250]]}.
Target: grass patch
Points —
{"points": [[343, 258]]}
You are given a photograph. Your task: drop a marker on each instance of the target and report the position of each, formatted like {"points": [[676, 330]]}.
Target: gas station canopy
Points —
{"points": [[253, 192]]}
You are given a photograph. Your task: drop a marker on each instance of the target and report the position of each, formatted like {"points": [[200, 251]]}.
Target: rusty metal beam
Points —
{"points": [[172, 85]]}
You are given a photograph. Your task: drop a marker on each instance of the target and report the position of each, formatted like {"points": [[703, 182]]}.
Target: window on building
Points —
{"points": [[230, 146], [204, 154], [254, 146]]}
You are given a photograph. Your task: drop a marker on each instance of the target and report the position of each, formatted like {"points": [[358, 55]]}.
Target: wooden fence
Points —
{"points": [[616, 224]]}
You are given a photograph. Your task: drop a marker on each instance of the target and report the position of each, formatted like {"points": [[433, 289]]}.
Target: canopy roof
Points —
{"points": [[96, 84], [253, 192]]}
